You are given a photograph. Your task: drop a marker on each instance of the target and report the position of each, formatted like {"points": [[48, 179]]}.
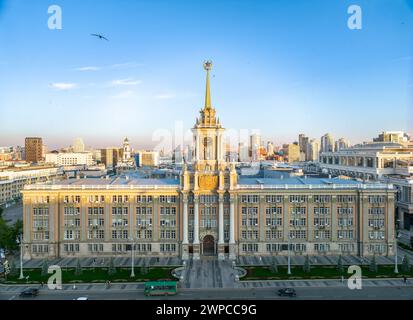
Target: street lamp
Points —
{"points": [[289, 253], [396, 269], [19, 242], [132, 273]]}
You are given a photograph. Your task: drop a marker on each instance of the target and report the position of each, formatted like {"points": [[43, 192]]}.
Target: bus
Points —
{"points": [[160, 288]]}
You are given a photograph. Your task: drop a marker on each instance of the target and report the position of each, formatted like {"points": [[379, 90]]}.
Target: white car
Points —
{"points": [[82, 298]]}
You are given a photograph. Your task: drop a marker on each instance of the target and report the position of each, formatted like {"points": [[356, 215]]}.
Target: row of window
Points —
{"points": [[41, 211]]}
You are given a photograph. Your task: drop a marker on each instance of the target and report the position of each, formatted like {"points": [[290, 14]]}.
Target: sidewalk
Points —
{"points": [[389, 282]]}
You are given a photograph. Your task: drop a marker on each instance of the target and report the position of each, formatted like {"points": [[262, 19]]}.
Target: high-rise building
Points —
{"points": [[341, 144], [110, 157], [302, 142], [327, 143], [313, 150], [270, 148], [78, 145], [34, 149], [243, 152], [293, 152], [255, 146]]}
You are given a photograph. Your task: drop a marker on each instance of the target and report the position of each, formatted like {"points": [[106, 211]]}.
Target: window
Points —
{"points": [[298, 210], [321, 210], [273, 210], [345, 198], [346, 247], [249, 198], [71, 247], [322, 198], [298, 198], [167, 199], [379, 211], [376, 199], [298, 222], [298, 234], [250, 247], [322, 247], [348, 210], [273, 234], [95, 247], [168, 234], [168, 247], [273, 198]]}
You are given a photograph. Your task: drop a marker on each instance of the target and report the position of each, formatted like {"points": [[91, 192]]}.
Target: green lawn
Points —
{"points": [[97, 275], [319, 272]]}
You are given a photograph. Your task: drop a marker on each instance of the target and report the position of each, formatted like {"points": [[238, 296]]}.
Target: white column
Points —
{"points": [[185, 222], [221, 220], [196, 220], [196, 147], [232, 222]]}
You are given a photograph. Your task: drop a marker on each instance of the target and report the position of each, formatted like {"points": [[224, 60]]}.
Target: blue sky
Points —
{"points": [[283, 67]]}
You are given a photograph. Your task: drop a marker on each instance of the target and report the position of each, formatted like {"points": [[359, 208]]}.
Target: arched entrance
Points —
{"points": [[208, 246]]}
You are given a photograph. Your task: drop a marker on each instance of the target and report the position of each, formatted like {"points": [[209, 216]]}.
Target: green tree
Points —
{"points": [[406, 264], [111, 267], [1, 212], [8, 234], [45, 267], [340, 266], [373, 265], [78, 270], [307, 265]]}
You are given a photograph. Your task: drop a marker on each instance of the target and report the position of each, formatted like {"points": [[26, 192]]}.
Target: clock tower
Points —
{"points": [[208, 183]]}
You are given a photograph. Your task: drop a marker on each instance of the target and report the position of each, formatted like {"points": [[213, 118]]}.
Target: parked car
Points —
{"points": [[31, 292], [287, 292]]}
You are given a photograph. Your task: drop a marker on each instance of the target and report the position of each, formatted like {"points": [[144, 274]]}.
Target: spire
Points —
{"points": [[207, 67]]}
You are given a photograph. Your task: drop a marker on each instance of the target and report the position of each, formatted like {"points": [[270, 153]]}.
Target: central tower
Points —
{"points": [[208, 134], [206, 188]]}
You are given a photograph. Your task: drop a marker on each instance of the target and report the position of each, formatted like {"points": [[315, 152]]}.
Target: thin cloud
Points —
{"points": [[126, 65], [123, 95], [88, 68], [63, 86], [125, 82]]}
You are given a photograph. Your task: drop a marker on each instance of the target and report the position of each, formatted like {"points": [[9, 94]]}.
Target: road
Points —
{"points": [[305, 293]]}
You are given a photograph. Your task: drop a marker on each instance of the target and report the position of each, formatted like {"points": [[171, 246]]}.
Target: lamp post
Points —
{"points": [[289, 253], [396, 268], [19, 242], [132, 273]]}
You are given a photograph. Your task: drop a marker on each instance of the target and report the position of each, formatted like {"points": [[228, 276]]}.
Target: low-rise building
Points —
{"points": [[70, 158], [13, 180]]}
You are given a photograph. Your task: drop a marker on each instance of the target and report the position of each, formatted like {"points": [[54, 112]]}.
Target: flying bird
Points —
{"points": [[99, 36]]}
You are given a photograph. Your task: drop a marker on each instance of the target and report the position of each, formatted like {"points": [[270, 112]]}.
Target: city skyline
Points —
{"points": [[291, 81]]}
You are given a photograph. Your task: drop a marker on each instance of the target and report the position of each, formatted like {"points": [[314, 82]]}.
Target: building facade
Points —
{"points": [[70, 158], [34, 149], [12, 181], [211, 210]]}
